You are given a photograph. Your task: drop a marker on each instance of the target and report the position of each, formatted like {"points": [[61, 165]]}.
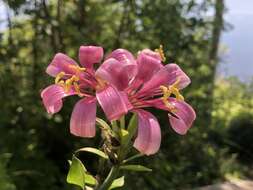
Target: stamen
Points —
{"points": [[161, 53], [166, 95], [59, 77], [77, 68], [77, 89], [61, 83], [176, 83], [168, 91], [176, 92], [69, 82]]}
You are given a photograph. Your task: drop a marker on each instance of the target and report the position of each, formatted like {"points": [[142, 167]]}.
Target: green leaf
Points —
{"points": [[124, 135], [122, 122], [138, 168], [94, 151], [115, 127], [133, 157], [117, 183], [76, 173], [132, 126], [89, 179]]}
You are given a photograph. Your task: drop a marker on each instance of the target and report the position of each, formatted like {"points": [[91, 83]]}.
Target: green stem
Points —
{"points": [[109, 179], [122, 122], [115, 127]]}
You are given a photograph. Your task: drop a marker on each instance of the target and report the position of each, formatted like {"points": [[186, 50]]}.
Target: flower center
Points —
{"points": [[73, 81], [161, 53], [67, 84], [171, 90]]}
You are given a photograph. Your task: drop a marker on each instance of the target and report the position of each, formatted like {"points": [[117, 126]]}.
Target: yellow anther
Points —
{"points": [[61, 83], [77, 68], [161, 53], [59, 77], [69, 82], [67, 86], [168, 91], [176, 92], [77, 89], [166, 95]]}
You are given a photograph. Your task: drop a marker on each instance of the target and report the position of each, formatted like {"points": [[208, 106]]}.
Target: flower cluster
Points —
{"points": [[121, 84]]}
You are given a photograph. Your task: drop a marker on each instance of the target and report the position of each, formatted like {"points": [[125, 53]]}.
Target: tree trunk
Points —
{"points": [[213, 55], [59, 27], [53, 32], [34, 46], [8, 15]]}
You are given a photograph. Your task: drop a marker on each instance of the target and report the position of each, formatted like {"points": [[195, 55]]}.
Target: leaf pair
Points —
{"points": [[78, 174]]}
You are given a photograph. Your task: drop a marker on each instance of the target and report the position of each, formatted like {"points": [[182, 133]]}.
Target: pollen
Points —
{"points": [[59, 77], [67, 84], [171, 90], [77, 89], [70, 82], [77, 68], [166, 95], [161, 53]]}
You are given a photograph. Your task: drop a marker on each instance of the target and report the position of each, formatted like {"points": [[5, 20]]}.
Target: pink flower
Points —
{"points": [[148, 83], [72, 79]]}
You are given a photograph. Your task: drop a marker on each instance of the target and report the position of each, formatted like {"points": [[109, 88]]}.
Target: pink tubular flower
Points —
{"points": [[148, 83], [72, 79]]}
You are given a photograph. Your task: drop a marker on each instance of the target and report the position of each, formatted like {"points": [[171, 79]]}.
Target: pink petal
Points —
{"points": [[113, 102], [82, 122], [167, 75], [152, 54], [123, 56], [60, 63], [149, 133], [114, 72], [181, 119], [185, 115], [52, 97], [127, 59], [147, 66], [89, 55], [177, 73], [126, 100]]}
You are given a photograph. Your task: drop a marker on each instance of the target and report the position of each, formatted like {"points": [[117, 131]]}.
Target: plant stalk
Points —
{"points": [[109, 179]]}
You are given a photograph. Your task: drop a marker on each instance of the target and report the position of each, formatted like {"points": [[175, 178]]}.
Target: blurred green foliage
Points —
{"points": [[38, 145]]}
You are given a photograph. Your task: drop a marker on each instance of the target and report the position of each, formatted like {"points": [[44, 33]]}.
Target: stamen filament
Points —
{"points": [[168, 91], [77, 68], [77, 89], [59, 77], [161, 53]]}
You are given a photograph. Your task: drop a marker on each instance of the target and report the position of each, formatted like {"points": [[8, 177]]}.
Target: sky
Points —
{"points": [[238, 42], [238, 60], [2, 15]]}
